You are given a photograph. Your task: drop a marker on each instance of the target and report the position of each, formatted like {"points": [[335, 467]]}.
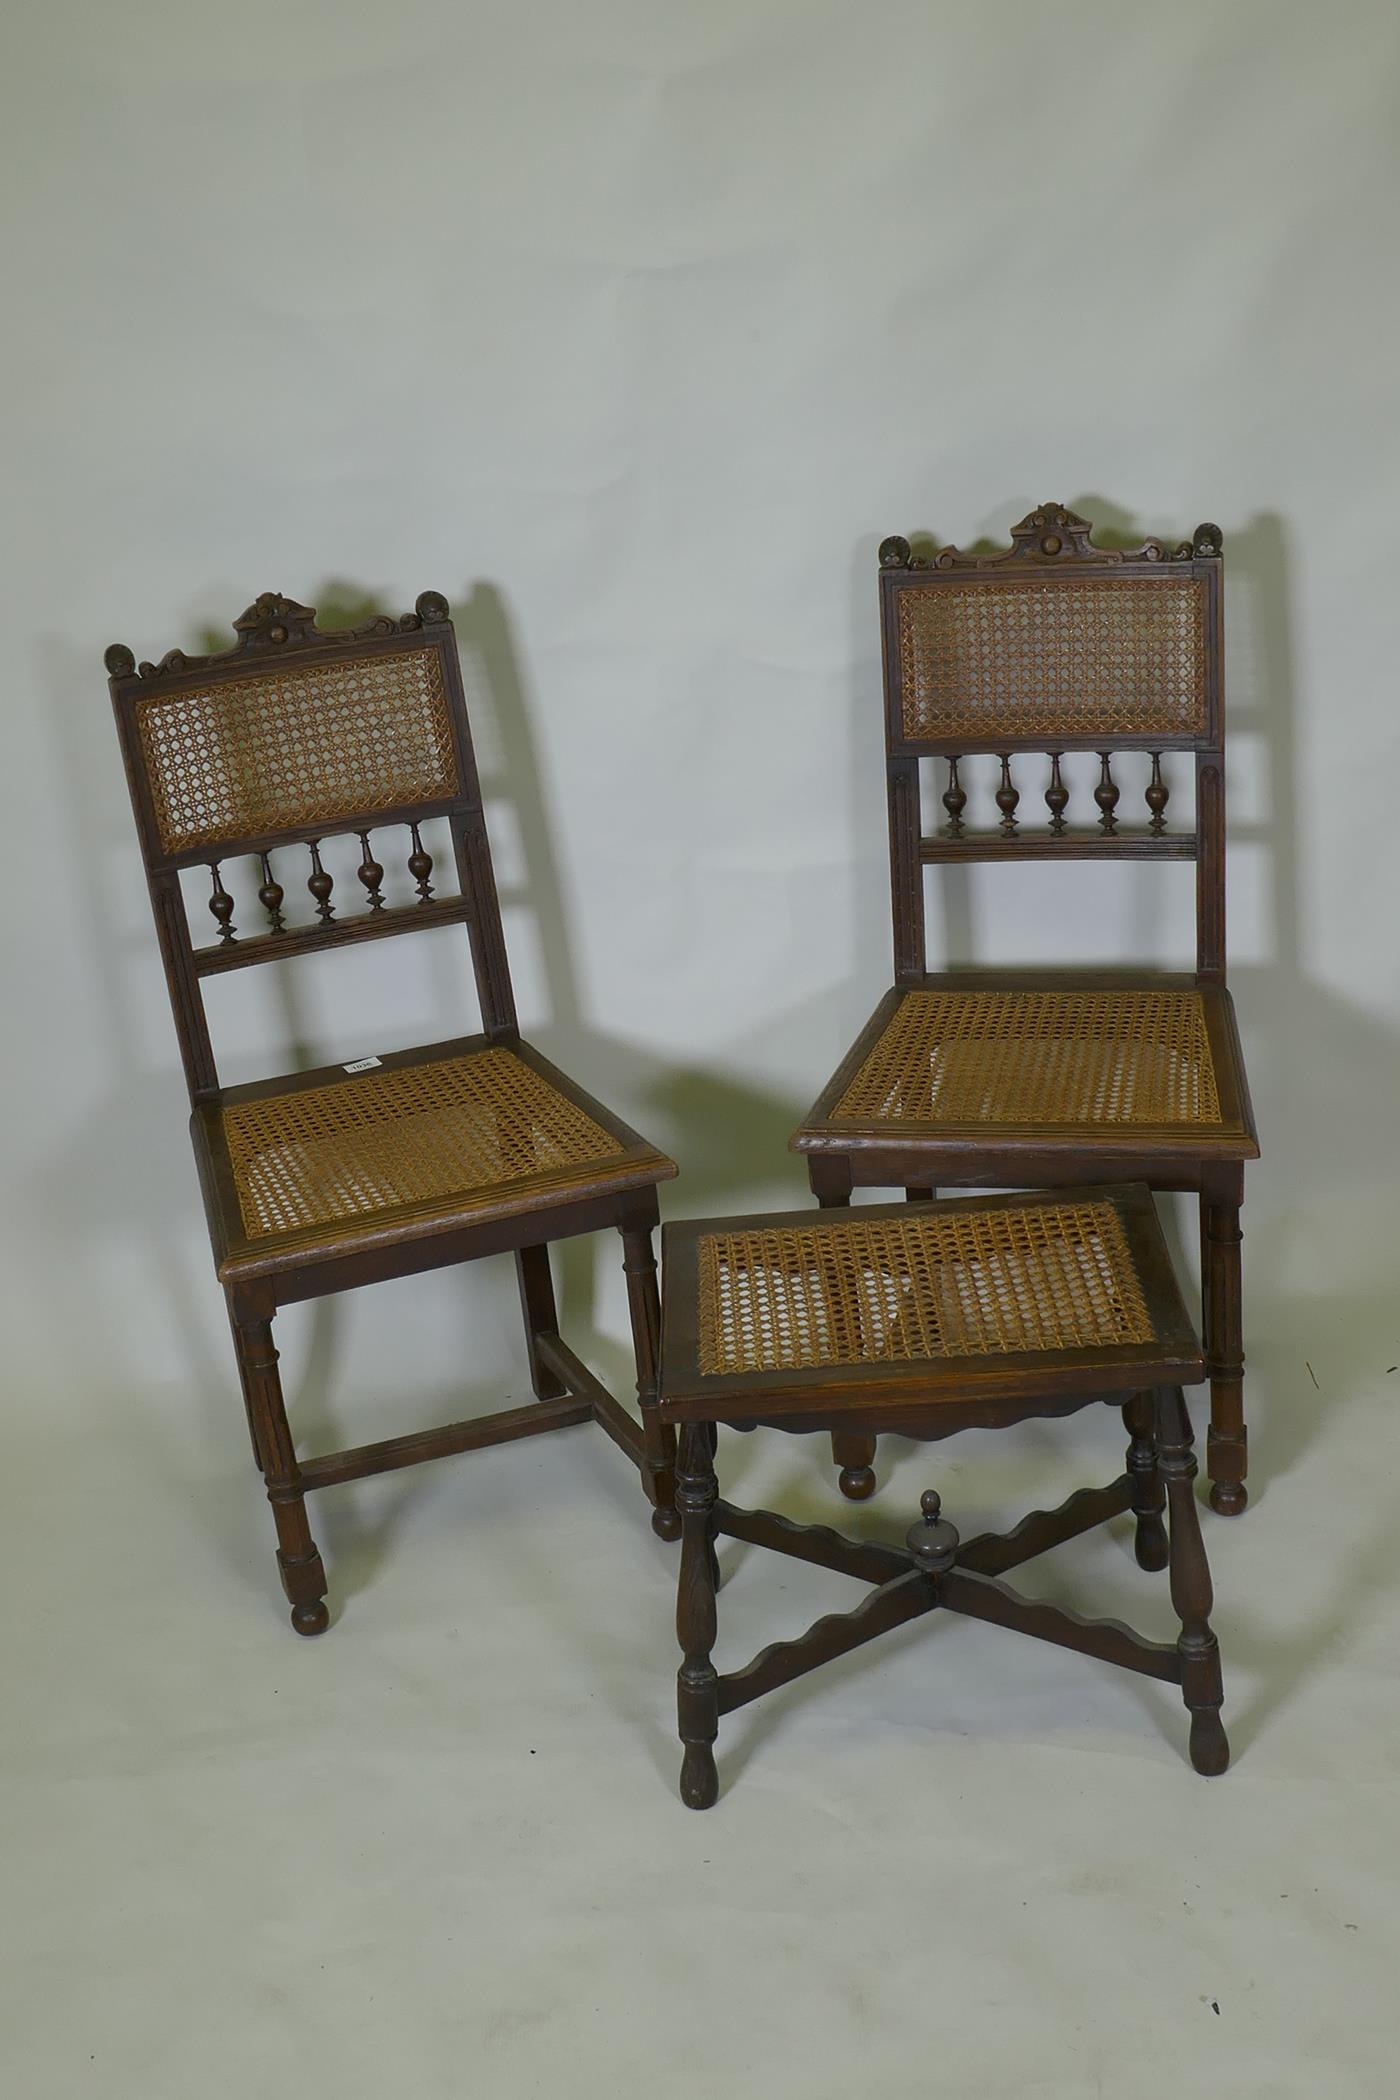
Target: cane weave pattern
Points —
{"points": [[905, 1290], [1056, 656], [1044, 1058], [282, 748], [409, 1134]]}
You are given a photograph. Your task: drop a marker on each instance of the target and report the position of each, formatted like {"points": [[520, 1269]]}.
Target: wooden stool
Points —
{"points": [[921, 1320]]}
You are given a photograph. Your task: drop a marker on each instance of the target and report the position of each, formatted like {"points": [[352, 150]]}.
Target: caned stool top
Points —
{"points": [[898, 1307]]}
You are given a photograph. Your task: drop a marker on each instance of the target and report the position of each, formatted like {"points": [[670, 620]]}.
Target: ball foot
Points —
{"points": [[699, 1779], [857, 1483], [1150, 1546], [1229, 1498], [311, 1618], [666, 1523], [1210, 1748]]}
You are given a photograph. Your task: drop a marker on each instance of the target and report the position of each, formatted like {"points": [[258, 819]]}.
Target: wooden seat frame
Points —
{"points": [[1053, 543], [279, 639], [929, 1400]]}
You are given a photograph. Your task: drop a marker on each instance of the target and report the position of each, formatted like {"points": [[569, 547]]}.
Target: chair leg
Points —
{"points": [[537, 1304], [1149, 1496], [658, 1437], [919, 1195], [1227, 1456], [854, 1454], [697, 1683], [303, 1576], [1192, 1596]]}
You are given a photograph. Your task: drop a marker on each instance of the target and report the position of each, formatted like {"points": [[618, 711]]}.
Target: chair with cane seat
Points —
{"points": [[1049, 1078], [392, 1164]]}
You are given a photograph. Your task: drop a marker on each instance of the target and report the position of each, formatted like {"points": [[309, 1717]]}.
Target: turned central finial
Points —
{"points": [[934, 1543]]}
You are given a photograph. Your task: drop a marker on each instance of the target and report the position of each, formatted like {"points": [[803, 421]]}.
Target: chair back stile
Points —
{"points": [[1053, 646], [291, 737]]}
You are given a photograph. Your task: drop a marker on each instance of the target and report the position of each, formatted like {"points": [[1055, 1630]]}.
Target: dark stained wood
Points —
{"points": [[1052, 540], [1056, 796], [261, 1274], [371, 874], [1106, 794], [1149, 1496], [1007, 797], [934, 1569], [697, 1683], [1192, 1599]]}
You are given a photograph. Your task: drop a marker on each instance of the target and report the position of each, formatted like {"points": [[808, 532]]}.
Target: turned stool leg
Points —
{"points": [[1226, 1444], [697, 1684], [658, 1437], [1149, 1496], [1192, 1596], [854, 1454], [537, 1304], [303, 1576]]}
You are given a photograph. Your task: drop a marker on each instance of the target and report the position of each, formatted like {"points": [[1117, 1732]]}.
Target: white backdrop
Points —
{"points": [[634, 328]]}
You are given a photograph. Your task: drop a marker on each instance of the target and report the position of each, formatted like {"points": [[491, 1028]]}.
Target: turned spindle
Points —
{"points": [[1106, 795], [1158, 794], [420, 866], [221, 904], [954, 800], [320, 883], [1007, 796], [371, 875], [270, 895], [1056, 795]]}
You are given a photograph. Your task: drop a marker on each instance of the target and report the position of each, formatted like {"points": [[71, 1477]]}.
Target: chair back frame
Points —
{"points": [[1151, 615], [280, 652]]}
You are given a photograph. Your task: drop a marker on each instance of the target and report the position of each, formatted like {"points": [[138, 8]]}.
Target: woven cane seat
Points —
{"points": [[1137, 1062], [926, 1298], [431, 1138]]}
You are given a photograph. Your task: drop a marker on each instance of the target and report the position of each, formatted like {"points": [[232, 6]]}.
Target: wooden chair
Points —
{"points": [[928, 1320], [1012, 1079], [387, 1165]]}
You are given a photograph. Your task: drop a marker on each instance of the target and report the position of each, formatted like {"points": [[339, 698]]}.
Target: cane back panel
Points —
{"points": [[288, 746]]}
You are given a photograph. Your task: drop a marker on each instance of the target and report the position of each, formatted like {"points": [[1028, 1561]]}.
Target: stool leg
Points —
{"points": [[697, 1684], [854, 1454], [1192, 1596], [303, 1576], [537, 1305], [1149, 1496], [1227, 1444], [658, 1437]]}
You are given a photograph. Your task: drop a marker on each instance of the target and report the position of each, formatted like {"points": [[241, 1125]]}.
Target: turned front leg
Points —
{"points": [[298, 1561], [1192, 1596], [855, 1455], [1149, 1496], [658, 1437], [697, 1684], [1227, 1452]]}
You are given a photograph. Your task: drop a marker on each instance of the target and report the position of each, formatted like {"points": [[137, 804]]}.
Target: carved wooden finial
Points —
{"points": [[1207, 542], [1050, 531], [934, 1543], [894, 552], [119, 661], [431, 608], [272, 620]]}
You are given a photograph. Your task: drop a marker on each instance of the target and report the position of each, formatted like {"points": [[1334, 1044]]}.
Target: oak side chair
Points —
{"points": [[389, 1165], [1039, 1078]]}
